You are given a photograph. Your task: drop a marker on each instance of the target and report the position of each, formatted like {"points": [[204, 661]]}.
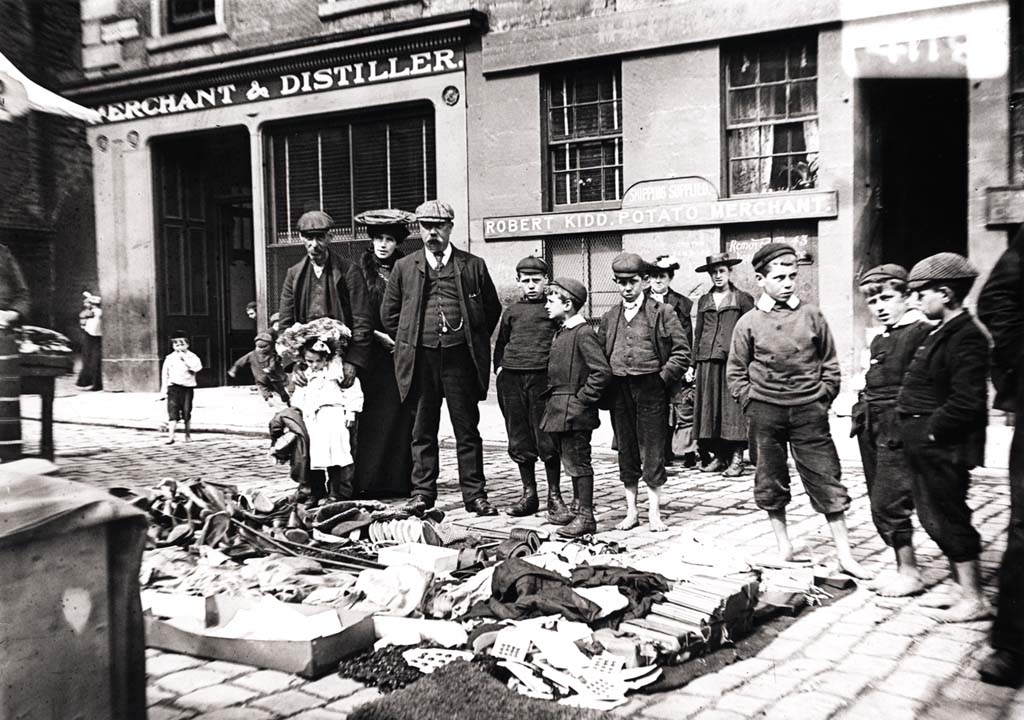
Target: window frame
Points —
{"points": [[547, 78], [758, 44], [161, 37]]}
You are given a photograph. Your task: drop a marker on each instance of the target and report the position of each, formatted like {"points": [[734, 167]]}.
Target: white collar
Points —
{"points": [[766, 303], [445, 256], [635, 304], [318, 270], [910, 317], [574, 321], [660, 297]]}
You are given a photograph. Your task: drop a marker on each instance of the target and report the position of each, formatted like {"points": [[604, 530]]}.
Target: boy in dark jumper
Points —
{"points": [[876, 424], [783, 370], [520, 365], [943, 409], [649, 352], [577, 376], [265, 365]]}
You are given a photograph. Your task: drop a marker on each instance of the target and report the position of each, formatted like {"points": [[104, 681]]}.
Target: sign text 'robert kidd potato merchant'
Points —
{"points": [[322, 79]]}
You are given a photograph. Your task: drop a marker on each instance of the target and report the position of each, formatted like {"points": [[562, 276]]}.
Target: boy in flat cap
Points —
{"points": [[649, 352], [783, 370], [577, 376], [876, 424], [266, 368], [521, 367], [681, 440], [719, 425], [943, 409]]}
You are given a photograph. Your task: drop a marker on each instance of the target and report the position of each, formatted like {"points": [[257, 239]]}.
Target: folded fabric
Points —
{"points": [[642, 589], [521, 590]]}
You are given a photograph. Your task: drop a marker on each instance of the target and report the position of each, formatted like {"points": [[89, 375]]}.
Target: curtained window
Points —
{"points": [[772, 116], [583, 128]]}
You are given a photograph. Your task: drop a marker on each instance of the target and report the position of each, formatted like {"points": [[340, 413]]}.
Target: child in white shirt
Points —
{"points": [[178, 383]]}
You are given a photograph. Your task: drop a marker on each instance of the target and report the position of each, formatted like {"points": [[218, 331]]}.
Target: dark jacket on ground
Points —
{"points": [[670, 340], [1001, 308], [290, 420], [524, 337], [683, 307], [948, 380], [713, 333], [402, 313], [578, 374], [348, 299]]}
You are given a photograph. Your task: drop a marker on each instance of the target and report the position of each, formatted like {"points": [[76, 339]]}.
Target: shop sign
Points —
{"points": [[677, 202], [305, 82]]}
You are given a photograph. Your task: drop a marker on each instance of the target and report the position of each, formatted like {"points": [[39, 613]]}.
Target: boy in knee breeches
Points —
{"points": [[178, 384], [521, 366], [649, 353], [783, 370], [875, 423], [578, 374], [943, 410]]}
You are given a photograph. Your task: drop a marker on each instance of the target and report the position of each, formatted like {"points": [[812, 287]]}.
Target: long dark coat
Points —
{"points": [[713, 336], [402, 313], [348, 299], [1001, 309]]}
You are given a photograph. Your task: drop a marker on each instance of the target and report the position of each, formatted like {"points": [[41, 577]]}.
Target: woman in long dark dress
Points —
{"points": [[384, 438]]}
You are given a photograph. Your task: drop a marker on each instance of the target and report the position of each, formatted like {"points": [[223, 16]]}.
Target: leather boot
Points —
{"points": [[736, 465], [574, 506], [527, 504], [558, 513], [584, 523]]}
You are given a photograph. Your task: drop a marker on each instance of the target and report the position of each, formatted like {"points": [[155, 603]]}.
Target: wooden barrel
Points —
{"points": [[10, 397]]}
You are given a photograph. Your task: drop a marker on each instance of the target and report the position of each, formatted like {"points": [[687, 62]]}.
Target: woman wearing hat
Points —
{"points": [[383, 444], [719, 425]]}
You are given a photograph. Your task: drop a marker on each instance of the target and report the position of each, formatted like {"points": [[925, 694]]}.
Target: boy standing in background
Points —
{"points": [[178, 384]]}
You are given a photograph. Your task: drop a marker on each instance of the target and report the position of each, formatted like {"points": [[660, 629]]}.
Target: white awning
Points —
{"points": [[18, 95]]}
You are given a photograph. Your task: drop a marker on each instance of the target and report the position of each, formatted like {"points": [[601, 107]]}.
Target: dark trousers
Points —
{"points": [[805, 429], [1008, 629], [574, 451], [519, 397], [92, 362], [446, 374], [888, 475], [940, 483], [640, 420]]}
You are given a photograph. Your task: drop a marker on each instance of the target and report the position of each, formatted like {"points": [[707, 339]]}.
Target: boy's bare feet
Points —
{"points": [[853, 568], [941, 599], [629, 522], [881, 579], [188, 438], [786, 552], [965, 610], [901, 586], [656, 524]]}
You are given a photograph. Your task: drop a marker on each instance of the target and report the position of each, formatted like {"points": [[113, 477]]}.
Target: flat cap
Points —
{"points": [[766, 253], [531, 263], [888, 271], [943, 266], [627, 264], [573, 287], [265, 337], [712, 261], [664, 263], [315, 221], [435, 211]]}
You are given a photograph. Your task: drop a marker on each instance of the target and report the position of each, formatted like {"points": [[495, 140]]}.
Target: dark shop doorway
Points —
{"points": [[915, 132], [205, 256]]}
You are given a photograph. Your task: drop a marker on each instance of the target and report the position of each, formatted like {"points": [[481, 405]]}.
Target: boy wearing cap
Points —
{"points": [[943, 414], [680, 441], [520, 364], [267, 372], [783, 370], [649, 352], [577, 376], [876, 424], [719, 425]]}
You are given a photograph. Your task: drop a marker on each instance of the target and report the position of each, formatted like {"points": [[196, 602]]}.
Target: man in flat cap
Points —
{"points": [[324, 284], [649, 352], [441, 307], [943, 409]]}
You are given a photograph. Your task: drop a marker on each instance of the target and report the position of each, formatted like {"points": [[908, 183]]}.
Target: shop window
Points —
{"points": [[345, 165], [771, 109], [588, 259], [189, 14], [583, 135]]}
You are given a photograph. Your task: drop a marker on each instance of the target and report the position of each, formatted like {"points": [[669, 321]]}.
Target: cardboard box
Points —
{"points": [[434, 559], [307, 658]]}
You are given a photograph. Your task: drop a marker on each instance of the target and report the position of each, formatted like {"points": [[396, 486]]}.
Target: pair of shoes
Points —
{"points": [[418, 505], [582, 524], [558, 513], [480, 506], [1004, 668], [526, 505], [713, 466], [690, 460], [735, 468]]}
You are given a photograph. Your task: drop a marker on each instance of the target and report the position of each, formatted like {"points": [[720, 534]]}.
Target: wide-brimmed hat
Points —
{"points": [[717, 259]]}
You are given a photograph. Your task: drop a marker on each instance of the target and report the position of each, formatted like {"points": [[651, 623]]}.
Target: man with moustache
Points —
{"points": [[441, 307]]}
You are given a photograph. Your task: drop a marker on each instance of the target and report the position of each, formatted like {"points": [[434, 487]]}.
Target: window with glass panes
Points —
{"points": [[345, 165], [588, 259], [188, 14], [771, 108], [583, 125]]}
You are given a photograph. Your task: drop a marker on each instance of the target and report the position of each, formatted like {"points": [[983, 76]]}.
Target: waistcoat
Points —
{"points": [[442, 297], [633, 351]]}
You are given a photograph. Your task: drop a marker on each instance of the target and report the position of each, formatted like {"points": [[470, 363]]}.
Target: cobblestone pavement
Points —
{"points": [[862, 658]]}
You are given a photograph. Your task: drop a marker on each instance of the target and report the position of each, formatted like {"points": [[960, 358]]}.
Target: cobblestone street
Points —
{"points": [[862, 658]]}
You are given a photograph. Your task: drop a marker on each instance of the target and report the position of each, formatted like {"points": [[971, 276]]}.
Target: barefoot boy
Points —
{"points": [[648, 352], [521, 365], [178, 384], [783, 370], [886, 470], [577, 376], [943, 408]]}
